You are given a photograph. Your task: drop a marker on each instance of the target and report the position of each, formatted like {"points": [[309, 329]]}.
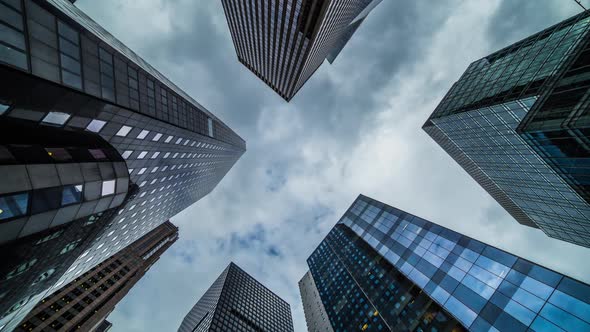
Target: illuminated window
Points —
{"points": [[127, 153], [56, 118], [108, 187], [124, 131], [143, 134], [95, 125]]}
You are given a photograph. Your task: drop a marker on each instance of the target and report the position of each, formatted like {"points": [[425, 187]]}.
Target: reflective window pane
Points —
{"points": [[124, 131], [58, 154], [3, 108], [97, 154], [13, 205], [143, 134], [46, 199], [108, 187], [57, 118], [71, 194], [95, 125]]}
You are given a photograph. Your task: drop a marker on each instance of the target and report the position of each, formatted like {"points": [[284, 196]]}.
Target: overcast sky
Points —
{"points": [[355, 127]]}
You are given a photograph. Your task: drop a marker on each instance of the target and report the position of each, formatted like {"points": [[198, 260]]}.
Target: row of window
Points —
{"points": [[124, 131], [37, 201]]}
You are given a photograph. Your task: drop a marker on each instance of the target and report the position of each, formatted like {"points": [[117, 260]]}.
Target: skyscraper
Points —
{"points": [[517, 121], [85, 302], [383, 269], [97, 148], [284, 42], [66, 78], [237, 302]]}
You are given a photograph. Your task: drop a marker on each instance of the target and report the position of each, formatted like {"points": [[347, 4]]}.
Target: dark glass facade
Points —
{"points": [[284, 42], [381, 268], [97, 149], [237, 302], [517, 122]]}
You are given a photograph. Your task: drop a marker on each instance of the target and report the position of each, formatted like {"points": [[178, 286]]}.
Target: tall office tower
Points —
{"points": [[90, 105], [518, 122], [84, 303], [315, 314], [237, 302], [383, 269], [284, 42]]}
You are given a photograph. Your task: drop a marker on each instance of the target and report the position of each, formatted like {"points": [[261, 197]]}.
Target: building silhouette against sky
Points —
{"points": [[383, 269], [238, 302], [84, 303], [284, 42], [91, 134], [518, 122]]}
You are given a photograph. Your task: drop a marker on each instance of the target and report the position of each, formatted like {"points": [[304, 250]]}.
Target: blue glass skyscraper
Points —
{"points": [[383, 269]]}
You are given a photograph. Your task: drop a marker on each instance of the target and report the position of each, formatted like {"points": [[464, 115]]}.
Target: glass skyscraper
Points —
{"points": [[518, 122], [383, 269], [284, 42], [97, 149], [238, 302]]}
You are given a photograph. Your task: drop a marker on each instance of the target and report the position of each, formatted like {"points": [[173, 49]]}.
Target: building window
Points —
{"points": [[168, 139], [58, 154], [155, 155], [126, 154], [3, 108], [210, 126], [13, 205], [106, 74], [46, 199], [95, 125], [143, 134], [178, 140], [21, 268], [69, 55], [133, 88], [108, 187], [151, 94], [97, 154], [50, 237], [56, 118], [141, 171], [157, 137], [124, 131], [69, 247], [142, 155], [71, 194]]}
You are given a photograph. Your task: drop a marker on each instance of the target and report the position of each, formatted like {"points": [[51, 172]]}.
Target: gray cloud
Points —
{"points": [[354, 128]]}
